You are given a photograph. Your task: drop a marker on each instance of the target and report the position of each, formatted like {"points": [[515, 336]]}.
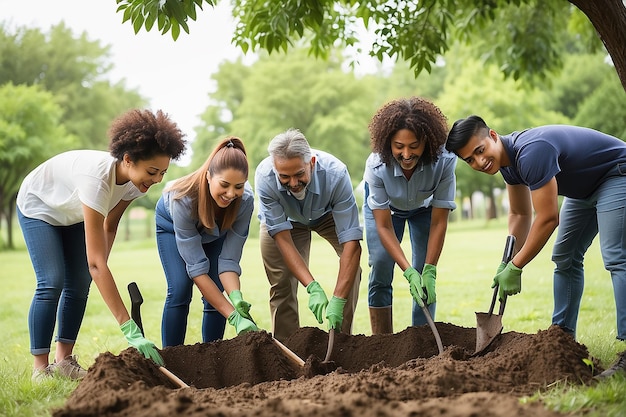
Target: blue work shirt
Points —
{"points": [[577, 157], [191, 235], [430, 185], [329, 190]]}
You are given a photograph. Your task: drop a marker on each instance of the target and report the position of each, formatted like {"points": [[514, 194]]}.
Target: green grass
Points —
{"points": [[471, 254]]}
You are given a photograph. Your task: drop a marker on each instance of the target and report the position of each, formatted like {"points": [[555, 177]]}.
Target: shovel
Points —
{"points": [[489, 325], [331, 343], [291, 355], [431, 323], [135, 312]]}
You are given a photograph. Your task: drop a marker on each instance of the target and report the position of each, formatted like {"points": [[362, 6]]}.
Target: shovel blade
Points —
{"points": [[488, 327]]}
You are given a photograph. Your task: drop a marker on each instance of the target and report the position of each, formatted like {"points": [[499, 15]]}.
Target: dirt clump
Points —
{"points": [[381, 375]]}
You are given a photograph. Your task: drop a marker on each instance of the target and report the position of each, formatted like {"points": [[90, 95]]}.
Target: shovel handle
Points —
{"points": [[331, 343], [289, 353], [136, 300], [493, 301], [431, 323], [135, 304], [173, 378], [509, 247]]}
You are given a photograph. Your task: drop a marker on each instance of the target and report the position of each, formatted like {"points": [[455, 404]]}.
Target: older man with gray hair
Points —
{"points": [[302, 190]]}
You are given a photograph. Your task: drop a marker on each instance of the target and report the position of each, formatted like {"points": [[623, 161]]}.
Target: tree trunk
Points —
{"points": [[10, 215], [608, 17], [470, 212], [492, 211]]}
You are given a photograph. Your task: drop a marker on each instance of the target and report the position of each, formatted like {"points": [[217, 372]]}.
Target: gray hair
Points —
{"points": [[290, 144]]}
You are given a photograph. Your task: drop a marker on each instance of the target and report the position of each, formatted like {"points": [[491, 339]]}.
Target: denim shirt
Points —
{"points": [[191, 235], [329, 190], [430, 185]]}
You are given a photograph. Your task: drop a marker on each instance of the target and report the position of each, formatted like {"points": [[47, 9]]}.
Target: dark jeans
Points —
{"points": [[180, 289]]}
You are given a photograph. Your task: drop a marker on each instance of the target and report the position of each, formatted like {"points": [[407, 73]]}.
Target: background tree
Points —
{"points": [[55, 96], [528, 41], [332, 107], [30, 130], [472, 87], [75, 70], [256, 101], [604, 109], [217, 117], [522, 41], [581, 75]]}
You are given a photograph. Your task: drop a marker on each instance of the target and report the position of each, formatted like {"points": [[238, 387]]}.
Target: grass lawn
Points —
{"points": [[472, 252]]}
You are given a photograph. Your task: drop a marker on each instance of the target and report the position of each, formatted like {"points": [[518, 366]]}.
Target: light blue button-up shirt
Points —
{"points": [[329, 191], [430, 185], [190, 234]]}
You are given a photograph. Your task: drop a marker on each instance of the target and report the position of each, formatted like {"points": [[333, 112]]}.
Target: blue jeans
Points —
{"points": [[59, 258], [380, 290], [604, 212], [180, 288]]}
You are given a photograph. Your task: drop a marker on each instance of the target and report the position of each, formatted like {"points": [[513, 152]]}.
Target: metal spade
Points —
{"points": [[489, 325]]}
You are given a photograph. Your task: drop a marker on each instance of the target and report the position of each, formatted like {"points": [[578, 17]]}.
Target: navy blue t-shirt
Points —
{"points": [[578, 157]]}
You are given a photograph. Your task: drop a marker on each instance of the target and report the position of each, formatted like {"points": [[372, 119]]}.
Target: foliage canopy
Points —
{"points": [[518, 35]]}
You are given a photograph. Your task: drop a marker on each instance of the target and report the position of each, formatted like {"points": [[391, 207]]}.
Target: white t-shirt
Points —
{"points": [[55, 191]]}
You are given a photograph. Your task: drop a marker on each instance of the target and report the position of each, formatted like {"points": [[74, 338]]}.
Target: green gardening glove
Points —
{"points": [[500, 268], [317, 300], [429, 277], [415, 285], [241, 324], [135, 339], [510, 281], [242, 307], [334, 312]]}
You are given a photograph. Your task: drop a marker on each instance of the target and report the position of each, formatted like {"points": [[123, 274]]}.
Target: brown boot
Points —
{"points": [[381, 320]]}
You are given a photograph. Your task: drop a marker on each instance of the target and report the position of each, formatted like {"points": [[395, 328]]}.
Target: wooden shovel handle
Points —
{"points": [[173, 377], [295, 358]]}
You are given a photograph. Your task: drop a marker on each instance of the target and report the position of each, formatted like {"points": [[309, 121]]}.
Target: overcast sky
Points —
{"points": [[173, 76]]}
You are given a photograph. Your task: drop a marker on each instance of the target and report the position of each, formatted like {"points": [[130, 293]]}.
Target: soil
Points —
{"points": [[367, 376]]}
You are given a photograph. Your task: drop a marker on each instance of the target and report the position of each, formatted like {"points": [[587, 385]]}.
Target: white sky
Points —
{"points": [[172, 75]]}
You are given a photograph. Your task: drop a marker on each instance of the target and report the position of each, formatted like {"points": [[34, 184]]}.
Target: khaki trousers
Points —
{"points": [[284, 286]]}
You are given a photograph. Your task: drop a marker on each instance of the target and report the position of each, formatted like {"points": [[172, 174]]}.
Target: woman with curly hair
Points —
{"points": [[202, 223], [409, 179], [69, 208]]}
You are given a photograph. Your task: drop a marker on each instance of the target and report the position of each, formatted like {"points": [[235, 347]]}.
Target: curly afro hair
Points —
{"points": [[143, 135], [416, 114]]}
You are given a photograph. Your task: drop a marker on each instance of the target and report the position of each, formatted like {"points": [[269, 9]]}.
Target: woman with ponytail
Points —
{"points": [[202, 223]]}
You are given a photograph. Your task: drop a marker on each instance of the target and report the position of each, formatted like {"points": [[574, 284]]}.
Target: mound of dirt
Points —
{"points": [[381, 375]]}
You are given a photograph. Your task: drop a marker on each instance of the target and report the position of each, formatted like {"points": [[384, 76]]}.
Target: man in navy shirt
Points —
{"points": [[585, 166]]}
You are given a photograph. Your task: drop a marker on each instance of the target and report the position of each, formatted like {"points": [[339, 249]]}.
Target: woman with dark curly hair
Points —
{"points": [[409, 178], [69, 208]]}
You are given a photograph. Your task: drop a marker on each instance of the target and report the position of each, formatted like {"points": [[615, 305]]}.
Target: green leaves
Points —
{"points": [[169, 15], [521, 36]]}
